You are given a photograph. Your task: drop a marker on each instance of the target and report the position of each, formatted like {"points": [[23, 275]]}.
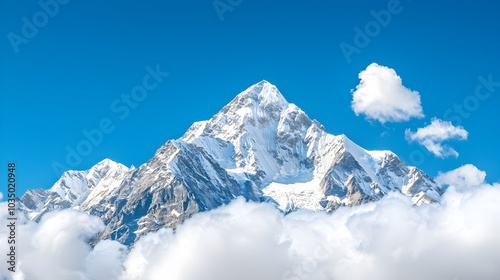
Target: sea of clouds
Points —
{"points": [[388, 240]]}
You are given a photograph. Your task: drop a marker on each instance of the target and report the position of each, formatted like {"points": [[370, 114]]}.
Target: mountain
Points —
{"points": [[258, 146], [75, 189]]}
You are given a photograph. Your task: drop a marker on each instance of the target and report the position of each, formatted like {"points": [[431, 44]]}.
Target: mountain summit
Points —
{"points": [[258, 146]]}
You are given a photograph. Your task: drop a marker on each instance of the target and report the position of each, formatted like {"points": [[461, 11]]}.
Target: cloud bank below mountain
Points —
{"points": [[389, 239]]}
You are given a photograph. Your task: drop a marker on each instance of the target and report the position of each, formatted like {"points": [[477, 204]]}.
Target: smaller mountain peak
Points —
{"points": [[107, 162]]}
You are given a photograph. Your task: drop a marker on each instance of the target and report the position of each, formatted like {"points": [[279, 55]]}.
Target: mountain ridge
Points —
{"points": [[259, 147]]}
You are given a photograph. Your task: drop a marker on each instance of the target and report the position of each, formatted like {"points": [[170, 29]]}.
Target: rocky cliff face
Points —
{"points": [[258, 146]]}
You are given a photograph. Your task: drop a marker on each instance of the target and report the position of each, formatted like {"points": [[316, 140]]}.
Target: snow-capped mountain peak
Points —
{"points": [[264, 93], [258, 146], [74, 188]]}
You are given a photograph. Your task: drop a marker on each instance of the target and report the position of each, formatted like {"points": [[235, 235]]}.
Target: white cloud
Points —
{"points": [[433, 136], [241, 241], [57, 247], [106, 260], [1, 195], [381, 96], [465, 176], [385, 240]]}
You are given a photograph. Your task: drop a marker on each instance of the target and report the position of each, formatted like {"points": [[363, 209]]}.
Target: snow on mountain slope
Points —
{"points": [[258, 146], [293, 195], [75, 188]]}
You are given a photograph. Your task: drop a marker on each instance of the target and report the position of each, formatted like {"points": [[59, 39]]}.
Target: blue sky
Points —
{"points": [[66, 77]]}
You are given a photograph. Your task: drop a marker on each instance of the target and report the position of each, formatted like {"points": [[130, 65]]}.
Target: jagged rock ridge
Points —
{"points": [[258, 146]]}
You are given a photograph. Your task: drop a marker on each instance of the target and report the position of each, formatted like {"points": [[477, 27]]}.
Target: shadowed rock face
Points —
{"points": [[255, 142]]}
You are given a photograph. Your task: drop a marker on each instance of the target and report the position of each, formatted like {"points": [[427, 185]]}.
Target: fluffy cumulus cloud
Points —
{"points": [[433, 136], [241, 241], [386, 240], [465, 176], [57, 248], [381, 96]]}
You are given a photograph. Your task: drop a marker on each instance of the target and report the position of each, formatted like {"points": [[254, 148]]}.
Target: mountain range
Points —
{"points": [[259, 146]]}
